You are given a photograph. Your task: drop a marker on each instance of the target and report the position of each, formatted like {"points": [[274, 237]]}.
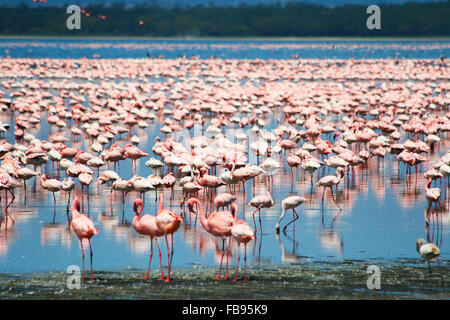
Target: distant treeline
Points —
{"points": [[290, 20]]}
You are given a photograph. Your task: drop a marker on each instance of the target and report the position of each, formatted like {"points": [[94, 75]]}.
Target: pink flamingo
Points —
{"points": [[330, 181], [218, 224], [168, 223], [83, 228], [258, 202], [432, 195], [146, 225], [51, 185], [133, 153], [242, 233]]}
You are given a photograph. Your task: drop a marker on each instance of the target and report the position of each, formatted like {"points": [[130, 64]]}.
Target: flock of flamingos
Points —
{"points": [[335, 117]]}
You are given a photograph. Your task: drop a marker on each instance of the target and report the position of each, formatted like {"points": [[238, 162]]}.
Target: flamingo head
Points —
{"points": [[191, 203], [138, 203]]}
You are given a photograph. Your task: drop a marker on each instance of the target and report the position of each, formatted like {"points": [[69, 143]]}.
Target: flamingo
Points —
{"points": [[427, 251], [330, 181], [218, 224], [432, 195], [291, 202], [146, 225], [168, 223], [51, 185], [258, 202], [83, 228], [242, 233]]}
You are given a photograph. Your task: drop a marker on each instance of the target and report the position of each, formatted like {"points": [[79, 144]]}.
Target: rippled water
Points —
{"points": [[381, 215]]}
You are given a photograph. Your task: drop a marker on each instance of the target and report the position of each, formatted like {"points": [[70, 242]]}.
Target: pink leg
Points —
{"points": [[150, 260], [82, 254], [170, 256], [237, 265], [221, 259], [160, 261], [90, 248], [245, 262], [228, 253]]}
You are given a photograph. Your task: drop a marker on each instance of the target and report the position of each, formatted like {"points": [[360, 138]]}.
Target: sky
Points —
{"points": [[216, 2]]}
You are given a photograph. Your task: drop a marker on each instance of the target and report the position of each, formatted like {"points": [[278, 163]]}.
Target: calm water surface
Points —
{"points": [[381, 217]]}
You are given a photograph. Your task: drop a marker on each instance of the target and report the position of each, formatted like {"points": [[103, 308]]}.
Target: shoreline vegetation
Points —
{"points": [[291, 21]]}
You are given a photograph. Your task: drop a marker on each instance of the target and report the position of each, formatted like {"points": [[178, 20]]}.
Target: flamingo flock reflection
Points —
{"points": [[225, 130]]}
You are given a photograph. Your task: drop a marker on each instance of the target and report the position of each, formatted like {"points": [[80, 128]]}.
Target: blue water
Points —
{"points": [[225, 49], [380, 217]]}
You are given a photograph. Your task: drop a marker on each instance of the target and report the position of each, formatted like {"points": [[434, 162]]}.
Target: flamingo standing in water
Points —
{"points": [[218, 224], [330, 181], [291, 202], [168, 223], [242, 233], [146, 225], [83, 228], [259, 202], [428, 251], [432, 195], [51, 185]]}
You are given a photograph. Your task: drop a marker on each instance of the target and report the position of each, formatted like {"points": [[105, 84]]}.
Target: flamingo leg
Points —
{"points": [[160, 261], [228, 253], [237, 265], [150, 260], [90, 248], [245, 262], [295, 215], [82, 254], [221, 259]]}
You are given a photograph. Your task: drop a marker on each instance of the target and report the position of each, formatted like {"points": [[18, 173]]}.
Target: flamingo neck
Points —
{"points": [[203, 219], [428, 184], [161, 203]]}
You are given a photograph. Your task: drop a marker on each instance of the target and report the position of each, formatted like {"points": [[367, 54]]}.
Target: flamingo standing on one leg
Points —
{"points": [[146, 225], [291, 202], [218, 224], [83, 228], [168, 223]]}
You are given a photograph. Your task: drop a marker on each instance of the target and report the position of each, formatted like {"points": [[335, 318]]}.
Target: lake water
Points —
{"points": [[381, 216]]}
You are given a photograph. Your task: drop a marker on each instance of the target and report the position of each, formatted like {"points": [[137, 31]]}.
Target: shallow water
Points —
{"points": [[400, 279], [381, 217]]}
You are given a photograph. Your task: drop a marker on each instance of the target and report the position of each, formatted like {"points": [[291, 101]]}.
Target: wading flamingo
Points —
{"points": [[291, 202], [83, 228], [146, 225], [168, 223]]}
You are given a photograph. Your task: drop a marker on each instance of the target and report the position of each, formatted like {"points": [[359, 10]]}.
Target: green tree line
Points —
{"points": [[291, 20]]}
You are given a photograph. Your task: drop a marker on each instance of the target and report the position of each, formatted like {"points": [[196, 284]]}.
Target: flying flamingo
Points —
{"points": [[83, 228], [218, 224], [291, 202], [168, 223], [146, 225]]}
